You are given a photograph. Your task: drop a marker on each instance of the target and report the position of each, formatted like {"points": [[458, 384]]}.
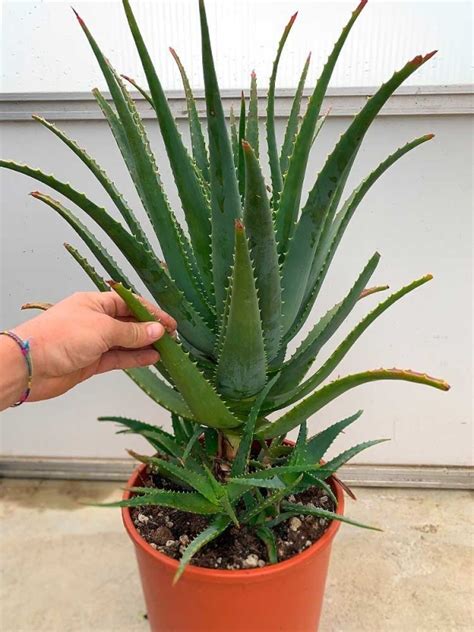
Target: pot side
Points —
{"points": [[284, 597]]}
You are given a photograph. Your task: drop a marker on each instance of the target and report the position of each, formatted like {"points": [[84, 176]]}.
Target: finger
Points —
{"points": [[117, 359], [132, 335], [111, 304], [114, 306], [165, 319]]}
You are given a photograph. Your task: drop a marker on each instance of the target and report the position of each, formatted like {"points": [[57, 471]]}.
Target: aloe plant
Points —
{"points": [[241, 279]]}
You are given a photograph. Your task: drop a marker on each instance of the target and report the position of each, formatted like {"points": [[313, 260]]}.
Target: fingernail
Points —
{"points": [[155, 331]]}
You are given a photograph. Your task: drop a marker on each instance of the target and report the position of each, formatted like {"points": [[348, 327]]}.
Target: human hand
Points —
{"points": [[84, 335]]}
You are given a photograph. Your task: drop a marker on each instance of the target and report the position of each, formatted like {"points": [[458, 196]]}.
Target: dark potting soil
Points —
{"points": [[170, 531]]}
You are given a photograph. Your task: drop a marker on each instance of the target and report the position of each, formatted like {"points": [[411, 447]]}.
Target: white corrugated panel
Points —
{"points": [[43, 49]]}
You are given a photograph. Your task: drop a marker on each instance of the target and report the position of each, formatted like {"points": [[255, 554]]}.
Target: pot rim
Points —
{"points": [[231, 575]]}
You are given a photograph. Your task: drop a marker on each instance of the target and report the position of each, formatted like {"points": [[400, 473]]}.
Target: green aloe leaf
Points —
{"points": [[144, 172], [269, 501], [98, 250], [324, 196], [234, 138], [95, 277], [332, 466], [292, 509], [185, 501], [277, 181], [240, 164], [269, 539], [293, 121], [243, 453], [102, 177], [310, 480], [320, 398], [252, 134], [293, 371], [334, 231], [263, 249], [193, 197], [218, 525], [184, 475], [335, 358], [204, 403], [197, 137], [146, 95], [193, 441], [318, 445], [319, 125], [241, 365], [225, 197], [267, 483], [293, 186], [156, 436], [179, 432]]}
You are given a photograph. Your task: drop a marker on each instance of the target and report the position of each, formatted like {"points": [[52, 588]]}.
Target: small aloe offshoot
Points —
{"points": [[241, 279]]}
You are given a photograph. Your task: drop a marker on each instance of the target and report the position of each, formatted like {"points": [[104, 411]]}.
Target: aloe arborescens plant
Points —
{"points": [[240, 281]]}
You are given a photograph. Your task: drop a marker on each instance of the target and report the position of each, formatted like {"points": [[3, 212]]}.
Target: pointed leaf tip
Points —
{"points": [[429, 136], [420, 59], [429, 55], [361, 5], [239, 225], [79, 19], [292, 19]]}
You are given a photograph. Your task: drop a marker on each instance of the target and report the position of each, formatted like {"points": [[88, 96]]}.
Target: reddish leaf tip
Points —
{"points": [[429, 55], [361, 5], [79, 19], [309, 57], [429, 136], [113, 284], [292, 19], [253, 74], [239, 227], [420, 59], [245, 145]]}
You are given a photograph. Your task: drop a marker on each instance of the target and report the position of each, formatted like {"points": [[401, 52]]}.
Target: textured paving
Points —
{"points": [[67, 567]]}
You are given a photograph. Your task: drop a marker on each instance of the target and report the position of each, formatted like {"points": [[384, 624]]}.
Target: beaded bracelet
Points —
{"points": [[25, 350]]}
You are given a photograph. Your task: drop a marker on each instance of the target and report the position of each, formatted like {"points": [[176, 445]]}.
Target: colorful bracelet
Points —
{"points": [[25, 350]]}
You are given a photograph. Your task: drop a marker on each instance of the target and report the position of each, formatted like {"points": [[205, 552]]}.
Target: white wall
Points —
{"points": [[418, 216]]}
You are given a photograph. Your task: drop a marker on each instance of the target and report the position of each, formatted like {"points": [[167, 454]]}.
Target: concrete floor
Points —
{"points": [[70, 568]]}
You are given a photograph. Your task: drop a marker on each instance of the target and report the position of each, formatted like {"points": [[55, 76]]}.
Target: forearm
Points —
{"points": [[13, 374]]}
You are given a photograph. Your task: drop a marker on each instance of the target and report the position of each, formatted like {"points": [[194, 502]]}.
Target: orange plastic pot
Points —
{"points": [[284, 597]]}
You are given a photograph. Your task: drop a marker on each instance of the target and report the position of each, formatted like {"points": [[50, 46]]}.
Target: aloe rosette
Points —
{"points": [[241, 279]]}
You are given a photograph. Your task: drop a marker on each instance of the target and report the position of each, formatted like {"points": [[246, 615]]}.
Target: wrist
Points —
{"points": [[13, 380]]}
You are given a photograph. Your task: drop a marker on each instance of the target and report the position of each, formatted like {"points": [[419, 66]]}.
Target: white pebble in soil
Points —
{"points": [[251, 561], [295, 523], [142, 518]]}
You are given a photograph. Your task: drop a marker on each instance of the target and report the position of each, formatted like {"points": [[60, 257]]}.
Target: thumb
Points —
{"points": [[131, 335]]}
